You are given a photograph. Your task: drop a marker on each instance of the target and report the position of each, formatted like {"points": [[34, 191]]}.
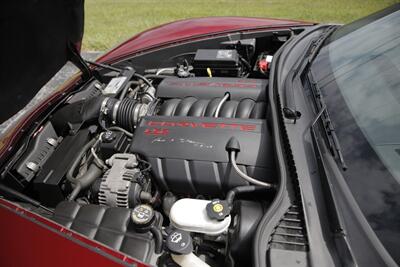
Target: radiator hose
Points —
{"points": [[83, 181]]}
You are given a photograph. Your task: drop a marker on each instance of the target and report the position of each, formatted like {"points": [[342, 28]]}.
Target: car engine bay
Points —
{"points": [[172, 165]]}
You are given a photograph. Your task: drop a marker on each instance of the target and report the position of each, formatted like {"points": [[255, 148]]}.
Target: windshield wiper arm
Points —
{"points": [[327, 125], [311, 52], [317, 44]]}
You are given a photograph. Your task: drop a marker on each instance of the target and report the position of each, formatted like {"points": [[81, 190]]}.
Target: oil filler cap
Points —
{"points": [[108, 137], [218, 209], [179, 242]]}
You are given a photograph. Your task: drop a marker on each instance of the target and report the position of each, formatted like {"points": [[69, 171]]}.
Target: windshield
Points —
{"points": [[358, 72]]}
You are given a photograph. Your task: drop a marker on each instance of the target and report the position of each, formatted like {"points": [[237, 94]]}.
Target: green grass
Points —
{"points": [[109, 22]]}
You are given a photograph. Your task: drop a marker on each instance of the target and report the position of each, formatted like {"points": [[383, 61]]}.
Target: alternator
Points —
{"points": [[119, 186]]}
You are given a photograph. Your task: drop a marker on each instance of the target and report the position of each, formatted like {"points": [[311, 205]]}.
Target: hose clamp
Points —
{"points": [[115, 111], [103, 107]]}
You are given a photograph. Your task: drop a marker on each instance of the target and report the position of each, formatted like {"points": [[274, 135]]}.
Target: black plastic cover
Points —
{"points": [[200, 97], [188, 154], [193, 107], [222, 57], [209, 88], [49, 181], [245, 47], [118, 142], [247, 216], [221, 62], [110, 226], [38, 152]]}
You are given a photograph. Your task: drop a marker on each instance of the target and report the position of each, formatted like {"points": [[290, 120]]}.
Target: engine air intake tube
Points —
{"points": [[129, 112], [124, 113]]}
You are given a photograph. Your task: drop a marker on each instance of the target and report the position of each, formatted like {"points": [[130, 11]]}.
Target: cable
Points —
{"points": [[148, 168], [137, 75], [116, 128], [164, 69], [126, 89], [223, 100], [245, 176], [104, 66], [244, 61], [100, 163], [153, 76]]}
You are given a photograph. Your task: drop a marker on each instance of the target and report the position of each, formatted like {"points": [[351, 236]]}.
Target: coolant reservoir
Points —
{"points": [[191, 215]]}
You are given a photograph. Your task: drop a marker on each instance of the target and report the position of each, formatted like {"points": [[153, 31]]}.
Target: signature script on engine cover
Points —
{"points": [[182, 141]]}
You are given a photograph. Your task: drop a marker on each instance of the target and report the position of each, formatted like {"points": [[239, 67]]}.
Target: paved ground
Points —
{"points": [[67, 71]]}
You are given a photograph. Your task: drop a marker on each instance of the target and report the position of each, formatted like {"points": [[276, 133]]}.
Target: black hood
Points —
{"points": [[35, 36]]}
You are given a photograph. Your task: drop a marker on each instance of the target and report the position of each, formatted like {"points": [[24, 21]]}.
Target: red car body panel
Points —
{"points": [[31, 240], [155, 38], [182, 30]]}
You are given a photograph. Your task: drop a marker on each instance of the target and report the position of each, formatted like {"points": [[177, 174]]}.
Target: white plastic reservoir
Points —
{"points": [[190, 215]]}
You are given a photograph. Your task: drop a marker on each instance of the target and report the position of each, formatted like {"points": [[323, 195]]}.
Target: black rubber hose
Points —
{"points": [[75, 192], [83, 111], [145, 196], [158, 238], [230, 196], [85, 180], [88, 177], [77, 160], [126, 114], [89, 111]]}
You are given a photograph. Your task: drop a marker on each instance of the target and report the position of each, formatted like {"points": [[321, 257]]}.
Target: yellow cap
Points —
{"points": [[209, 72], [218, 207]]}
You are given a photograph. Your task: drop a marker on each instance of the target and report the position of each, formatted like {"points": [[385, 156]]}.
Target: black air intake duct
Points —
{"points": [[124, 113]]}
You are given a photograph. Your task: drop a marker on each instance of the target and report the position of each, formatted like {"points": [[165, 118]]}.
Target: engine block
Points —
{"points": [[185, 142]]}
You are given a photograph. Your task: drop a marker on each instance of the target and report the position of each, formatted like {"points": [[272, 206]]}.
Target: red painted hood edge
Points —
{"points": [[191, 29], [125, 50]]}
